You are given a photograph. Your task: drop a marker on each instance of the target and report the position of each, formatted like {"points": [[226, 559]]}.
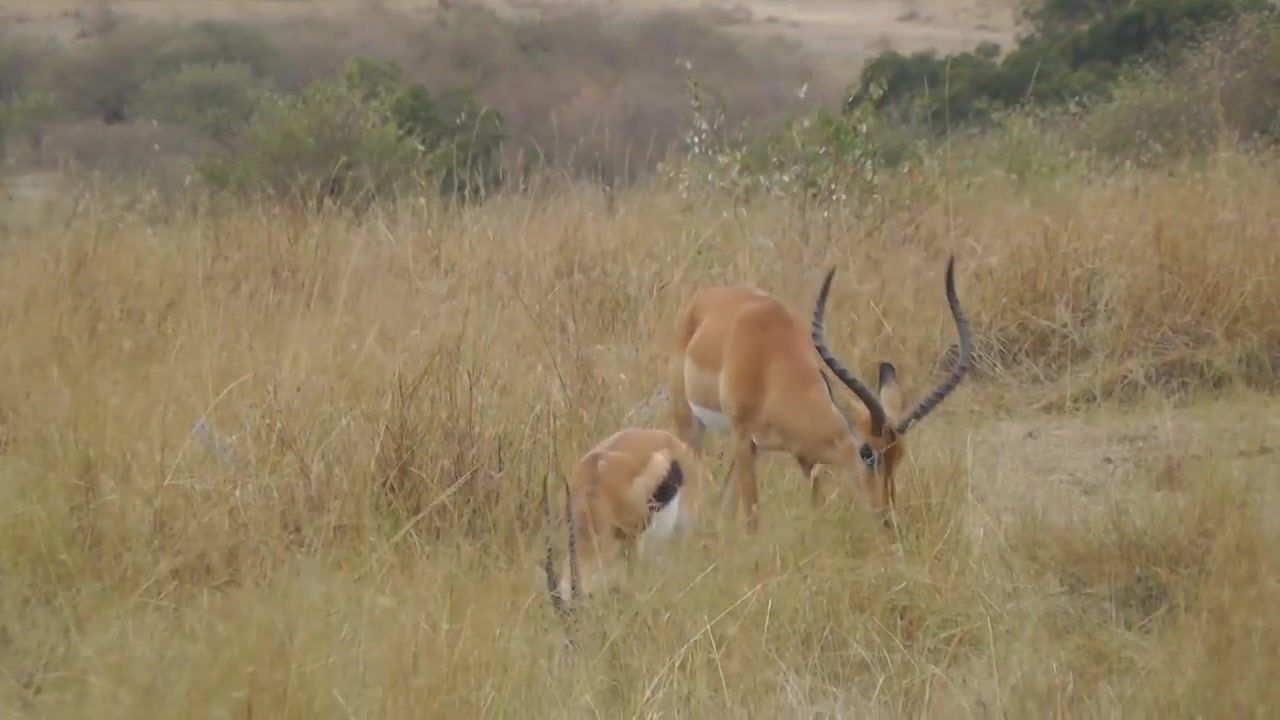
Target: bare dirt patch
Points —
{"points": [[1083, 462]]}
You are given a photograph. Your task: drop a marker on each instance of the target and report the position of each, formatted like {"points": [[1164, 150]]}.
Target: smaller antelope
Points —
{"points": [[636, 483]]}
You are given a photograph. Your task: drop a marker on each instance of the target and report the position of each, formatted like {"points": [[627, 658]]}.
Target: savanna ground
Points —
{"points": [[260, 461]]}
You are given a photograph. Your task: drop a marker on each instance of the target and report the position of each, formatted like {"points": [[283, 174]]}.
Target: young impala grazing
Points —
{"points": [[746, 363], [638, 483]]}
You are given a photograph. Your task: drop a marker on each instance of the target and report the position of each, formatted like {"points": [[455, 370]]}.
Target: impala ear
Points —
{"points": [[888, 375], [890, 394]]}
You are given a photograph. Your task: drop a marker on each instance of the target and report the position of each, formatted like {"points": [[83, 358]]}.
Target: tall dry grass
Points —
{"points": [[356, 530]]}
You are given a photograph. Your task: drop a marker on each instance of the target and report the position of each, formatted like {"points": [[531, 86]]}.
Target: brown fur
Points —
{"points": [[609, 491], [742, 353]]}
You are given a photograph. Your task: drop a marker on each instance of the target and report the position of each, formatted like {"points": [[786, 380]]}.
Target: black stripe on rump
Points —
{"points": [[667, 489]]}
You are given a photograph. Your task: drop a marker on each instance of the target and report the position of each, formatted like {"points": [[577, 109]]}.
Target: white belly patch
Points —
{"points": [[664, 521], [710, 418], [662, 526]]}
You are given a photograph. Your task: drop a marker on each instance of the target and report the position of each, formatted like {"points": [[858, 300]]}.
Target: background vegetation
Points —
{"points": [[273, 441], [1075, 52], [598, 94]]}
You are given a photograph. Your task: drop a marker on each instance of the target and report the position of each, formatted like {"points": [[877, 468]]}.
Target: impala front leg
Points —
{"points": [[810, 471]]}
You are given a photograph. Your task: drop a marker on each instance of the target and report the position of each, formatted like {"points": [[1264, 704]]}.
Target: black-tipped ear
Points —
{"points": [[888, 375]]}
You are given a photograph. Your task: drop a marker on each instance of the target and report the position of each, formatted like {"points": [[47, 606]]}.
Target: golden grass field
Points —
{"points": [[1088, 523]]}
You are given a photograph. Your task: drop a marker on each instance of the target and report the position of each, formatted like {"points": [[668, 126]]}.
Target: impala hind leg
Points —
{"points": [[728, 491], [688, 427], [744, 477]]}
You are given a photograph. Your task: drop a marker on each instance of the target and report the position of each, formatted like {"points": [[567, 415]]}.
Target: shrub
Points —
{"points": [[468, 142], [594, 91], [461, 139], [216, 99], [1230, 90], [330, 143], [103, 77], [931, 91], [831, 156], [1077, 50], [27, 117], [1245, 62], [22, 57], [348, 139], [598, 91], [828, 157], [217, 41]]}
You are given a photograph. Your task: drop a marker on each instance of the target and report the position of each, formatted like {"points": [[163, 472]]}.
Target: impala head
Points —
{"points": [[879, 438]]}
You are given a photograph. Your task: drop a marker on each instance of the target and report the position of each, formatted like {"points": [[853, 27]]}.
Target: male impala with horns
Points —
{"points": [[745, 363]]}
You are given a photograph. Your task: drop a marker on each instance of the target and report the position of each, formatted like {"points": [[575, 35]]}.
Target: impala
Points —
{"points": [[635, 485], [744, 362]]}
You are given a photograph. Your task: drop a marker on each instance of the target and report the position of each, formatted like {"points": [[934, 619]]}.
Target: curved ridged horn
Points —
{"points": [[925, 406], [864, 394]]}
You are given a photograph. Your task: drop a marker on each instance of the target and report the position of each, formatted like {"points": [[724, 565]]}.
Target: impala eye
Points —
{"points": [[868, 455]]}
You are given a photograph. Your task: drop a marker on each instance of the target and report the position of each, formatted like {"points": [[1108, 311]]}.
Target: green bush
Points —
{"points": [[218, 100], [589, 89], [1248, 68], [1228, 91], [1149, 120], [1077, 50], [27, 116], [331, 143], [831, 156], [358, 136], [460, 139], [932, 91], [211, 42], [103, 77], [828, 157], [22, 58], [466, 139]]}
